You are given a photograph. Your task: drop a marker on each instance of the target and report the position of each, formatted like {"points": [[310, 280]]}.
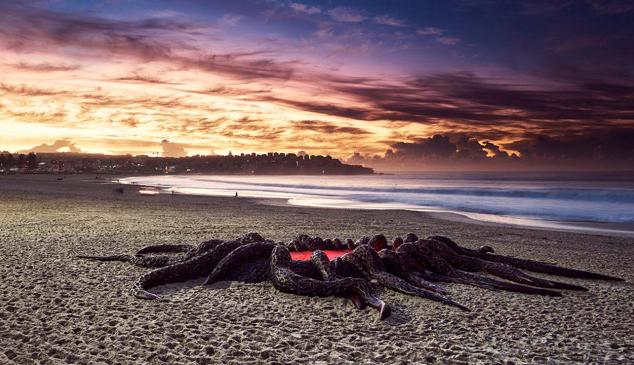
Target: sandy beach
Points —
{"points": [[57, 309]]}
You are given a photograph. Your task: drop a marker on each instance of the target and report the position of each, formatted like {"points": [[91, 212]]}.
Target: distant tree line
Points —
{"points": [[8, 161], [269, 163]]}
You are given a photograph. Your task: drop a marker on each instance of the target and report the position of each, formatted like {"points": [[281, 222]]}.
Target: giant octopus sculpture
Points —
{"points": [[411, 266]]}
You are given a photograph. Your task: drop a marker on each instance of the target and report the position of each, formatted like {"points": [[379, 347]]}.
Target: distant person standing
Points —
{"points": [[236, 195]]}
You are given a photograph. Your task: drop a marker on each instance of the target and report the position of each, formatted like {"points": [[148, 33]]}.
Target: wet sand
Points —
{"points": [[56, 309]]}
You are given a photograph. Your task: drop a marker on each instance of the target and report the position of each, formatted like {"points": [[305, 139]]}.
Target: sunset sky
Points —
{"points": [[467, 83]]}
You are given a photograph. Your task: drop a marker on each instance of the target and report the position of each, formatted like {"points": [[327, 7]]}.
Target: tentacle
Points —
{"points": [[546, 268], [350, 244], [461, 277], [305, 268], [320, 260], [397, 242], [186, 270], [327, 272], [326, 244], [373, 265], [350, 265], [253, 237], [512, 274], [395, 283], [204, 247], [501, 270], [302, 242], [243, 263], [443, 271], [284, 279], [165, 248], [411, 237], [339, 244], [393, 264], [378, 242], [142, 261], [420, 281], [531, 265]]}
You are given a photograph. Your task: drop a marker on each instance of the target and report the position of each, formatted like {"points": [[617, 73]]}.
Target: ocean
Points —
{"points": [[602, 202]]}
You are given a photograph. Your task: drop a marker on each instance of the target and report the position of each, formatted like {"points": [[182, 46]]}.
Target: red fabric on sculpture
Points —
{"points": [[305, 255]]}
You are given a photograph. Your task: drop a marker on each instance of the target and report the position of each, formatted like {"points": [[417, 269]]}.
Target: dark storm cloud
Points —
{"points": [[469, 101], [601, 148], [436, 146], [600, 144]]}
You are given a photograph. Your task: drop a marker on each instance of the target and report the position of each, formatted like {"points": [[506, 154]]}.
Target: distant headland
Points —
{"points": [[252, 164]]}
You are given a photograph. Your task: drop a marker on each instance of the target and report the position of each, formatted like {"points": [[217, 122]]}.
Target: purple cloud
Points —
{"points": [[303, 8], [347, 15], [388, 20]]}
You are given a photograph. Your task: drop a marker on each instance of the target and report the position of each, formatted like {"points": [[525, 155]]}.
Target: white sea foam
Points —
{"points": [[589, 202]]}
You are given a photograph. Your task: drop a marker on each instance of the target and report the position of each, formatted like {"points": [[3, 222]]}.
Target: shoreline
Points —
{"points": [[588, 227], [55, 308]]}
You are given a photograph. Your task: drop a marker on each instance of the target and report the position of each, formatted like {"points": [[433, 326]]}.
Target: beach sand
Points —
{"points": [[57, 309]]}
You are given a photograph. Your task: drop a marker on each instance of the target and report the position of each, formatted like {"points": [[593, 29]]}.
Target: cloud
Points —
{"points": [[230, 20], [472, 102], [230, 91], [542, 7], [24, 90], [495, 150], [449, 41], [439, 34], [172, 149], [603, 148], [143, 79], [325, 31], [44, 67], [240, 66], [600, 144], [388, 20], [24, 29], [437, 146], [55, 147], [347, 15], [166, 13], [612, 6], [54, 116], [429, 31], [326, 128], [361, 113], [303, 8], [27, 29]]}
